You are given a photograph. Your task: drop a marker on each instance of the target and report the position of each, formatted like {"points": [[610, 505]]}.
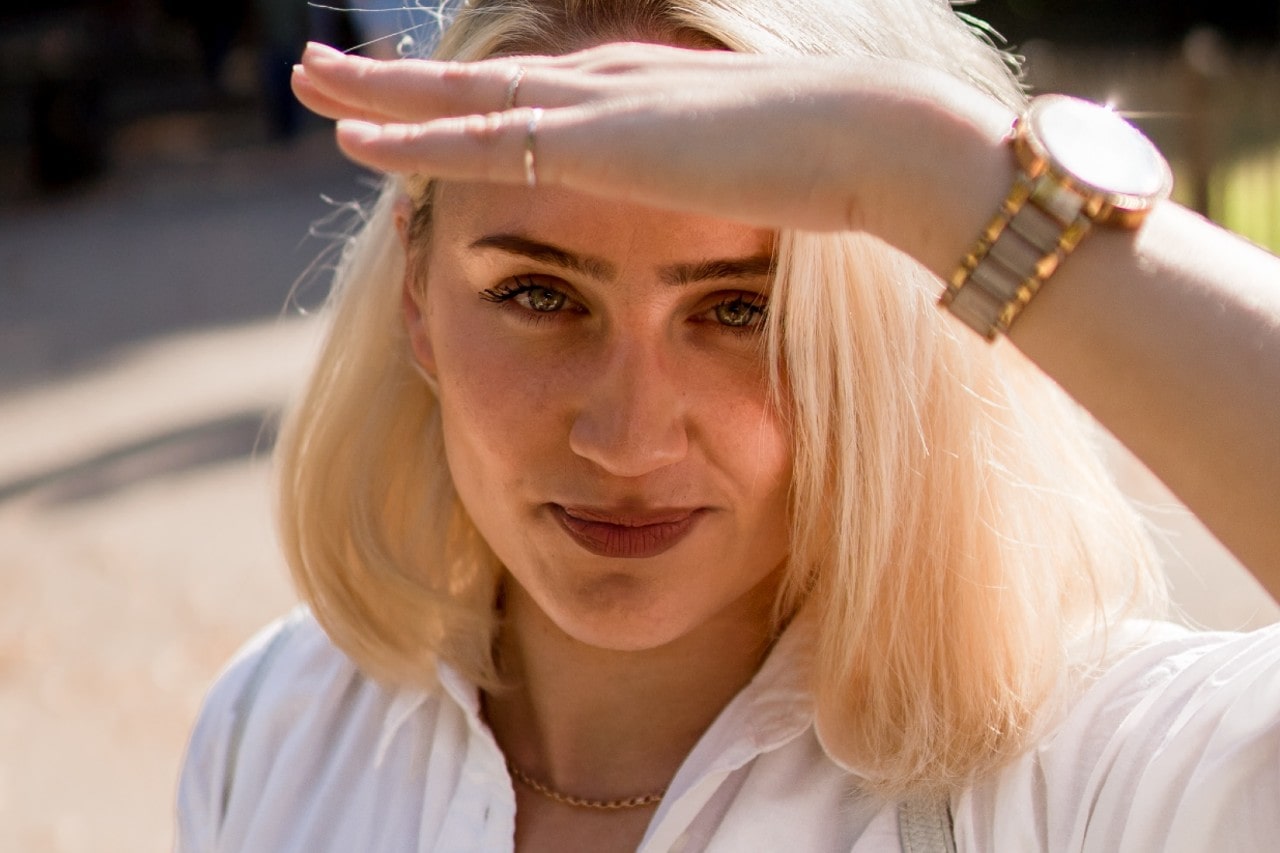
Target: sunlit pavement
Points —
{"points": [[147, 338]]}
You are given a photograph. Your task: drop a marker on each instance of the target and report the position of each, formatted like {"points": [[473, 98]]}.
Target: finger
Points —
{"points": [[410, 90], [482, 148], [565, 145], [416, 90], [623, 58], [321, 104]]}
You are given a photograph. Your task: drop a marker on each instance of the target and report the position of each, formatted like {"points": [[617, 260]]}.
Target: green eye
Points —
{"points": [[542, 299], [529, 295], [738, 312]]}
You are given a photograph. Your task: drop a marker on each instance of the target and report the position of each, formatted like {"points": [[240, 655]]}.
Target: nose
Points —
{"points": [[632, 419]]}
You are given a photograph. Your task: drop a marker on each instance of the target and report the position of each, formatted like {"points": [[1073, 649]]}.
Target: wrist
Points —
{"points": [[933, 170], [1077, 165]]}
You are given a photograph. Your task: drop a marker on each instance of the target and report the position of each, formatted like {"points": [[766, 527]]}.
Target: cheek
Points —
{"points": [[748, 434], [761, 469], [498, 406], [772, 449], [750, 445]]}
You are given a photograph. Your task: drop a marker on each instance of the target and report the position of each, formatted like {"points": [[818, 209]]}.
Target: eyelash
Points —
{"points": [[518, 286], [522, 286]]}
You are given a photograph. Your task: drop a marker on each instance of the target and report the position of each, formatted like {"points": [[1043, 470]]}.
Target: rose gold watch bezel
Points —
{"points": [[1103, 205]]}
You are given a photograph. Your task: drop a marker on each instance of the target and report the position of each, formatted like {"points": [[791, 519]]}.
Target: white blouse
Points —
{"points": [[1176, 747]]}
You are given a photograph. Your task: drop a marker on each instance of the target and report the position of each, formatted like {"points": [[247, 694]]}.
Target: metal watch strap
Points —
{"points": [[1040, 222]]}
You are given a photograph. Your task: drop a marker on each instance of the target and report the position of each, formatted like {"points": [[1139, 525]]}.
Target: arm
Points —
{"points": [[1170, 335], [1171, 338]]}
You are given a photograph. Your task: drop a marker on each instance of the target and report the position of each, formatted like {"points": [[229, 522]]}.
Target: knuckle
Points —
{"points": [[468, 84], [457, 73], [492, 141], [401, 134], [485, 130]]}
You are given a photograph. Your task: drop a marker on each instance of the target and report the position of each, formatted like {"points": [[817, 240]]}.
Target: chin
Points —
{"points": [[618, 613]]}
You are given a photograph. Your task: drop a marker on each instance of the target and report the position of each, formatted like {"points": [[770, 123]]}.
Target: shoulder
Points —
{"points": [[1169, 687], [285, 697], [1175, 743], [287, 660], [292, 643]]}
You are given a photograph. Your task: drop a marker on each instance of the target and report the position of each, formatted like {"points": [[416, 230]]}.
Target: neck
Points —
{"points": [[605, 724]]}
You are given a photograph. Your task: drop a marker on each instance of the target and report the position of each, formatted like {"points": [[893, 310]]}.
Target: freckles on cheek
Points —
{"points": [[469, 351], [491, 379], [497, 399]]}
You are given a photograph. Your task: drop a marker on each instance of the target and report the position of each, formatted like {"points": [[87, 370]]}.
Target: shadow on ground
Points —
{"points": [[102, 474]]}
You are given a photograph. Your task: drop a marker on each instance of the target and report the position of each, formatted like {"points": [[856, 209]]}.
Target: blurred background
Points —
{"points": [[167, 218]]}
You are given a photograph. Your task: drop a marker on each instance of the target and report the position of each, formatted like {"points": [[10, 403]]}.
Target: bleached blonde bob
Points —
{"points": [[954, 532]]}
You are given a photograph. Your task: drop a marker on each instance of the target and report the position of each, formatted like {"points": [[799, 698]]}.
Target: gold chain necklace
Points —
{"points": [[579, 802]]}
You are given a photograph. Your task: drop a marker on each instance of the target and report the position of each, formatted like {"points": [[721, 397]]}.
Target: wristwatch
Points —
{"points": [[1079, 165]]}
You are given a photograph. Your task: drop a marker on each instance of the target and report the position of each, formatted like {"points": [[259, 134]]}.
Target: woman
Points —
{"points": [[642, 497]]}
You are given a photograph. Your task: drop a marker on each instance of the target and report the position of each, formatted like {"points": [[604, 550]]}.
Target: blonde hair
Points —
{"points": [[954, 530]]}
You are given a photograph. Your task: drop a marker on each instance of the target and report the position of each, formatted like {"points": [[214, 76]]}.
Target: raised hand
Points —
{"points": [[810, 143]]}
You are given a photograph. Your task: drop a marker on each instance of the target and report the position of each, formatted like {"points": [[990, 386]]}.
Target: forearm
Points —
{"points": [[1169, 335], [1171, 338]]}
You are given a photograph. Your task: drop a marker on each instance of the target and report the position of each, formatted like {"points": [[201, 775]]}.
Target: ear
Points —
{"points": [[411, 300]]}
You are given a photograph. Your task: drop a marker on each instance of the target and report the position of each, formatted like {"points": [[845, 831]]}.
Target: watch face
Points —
{"points": [[1095, 147]]}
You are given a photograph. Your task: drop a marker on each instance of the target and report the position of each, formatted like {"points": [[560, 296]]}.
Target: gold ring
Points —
{"points": [[513, 86], [530, 164]]}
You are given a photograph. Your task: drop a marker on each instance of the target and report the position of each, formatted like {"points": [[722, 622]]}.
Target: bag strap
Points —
{"points": [[925, 825], [244, 704]]}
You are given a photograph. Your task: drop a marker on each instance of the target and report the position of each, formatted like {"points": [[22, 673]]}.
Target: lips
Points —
{"points": [[631, 535]]}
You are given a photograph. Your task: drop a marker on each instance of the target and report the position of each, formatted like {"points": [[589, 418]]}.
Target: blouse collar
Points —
{"points": [[775, 707]]}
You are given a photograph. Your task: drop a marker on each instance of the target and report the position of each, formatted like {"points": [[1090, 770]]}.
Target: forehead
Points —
{"points": [[462, 213]]}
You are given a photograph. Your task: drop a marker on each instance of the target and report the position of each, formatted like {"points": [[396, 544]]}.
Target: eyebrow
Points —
{"points": [[516, 244], [751, 266]]}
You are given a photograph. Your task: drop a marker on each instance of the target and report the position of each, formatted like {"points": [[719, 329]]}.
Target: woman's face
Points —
{"points": [[605, 404]]}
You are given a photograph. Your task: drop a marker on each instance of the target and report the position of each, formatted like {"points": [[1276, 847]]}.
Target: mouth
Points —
{"points": [[631, 535]]}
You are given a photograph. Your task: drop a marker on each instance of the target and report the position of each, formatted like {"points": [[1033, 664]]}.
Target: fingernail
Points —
{"points": [[319, 50]]}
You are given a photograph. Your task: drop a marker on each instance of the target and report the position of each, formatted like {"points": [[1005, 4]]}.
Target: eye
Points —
{"points": [[530, 294], [741, 311], [541, 299]]}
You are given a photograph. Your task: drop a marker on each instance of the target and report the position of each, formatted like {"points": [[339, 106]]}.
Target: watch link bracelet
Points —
{"points": [[1079, 165]]}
